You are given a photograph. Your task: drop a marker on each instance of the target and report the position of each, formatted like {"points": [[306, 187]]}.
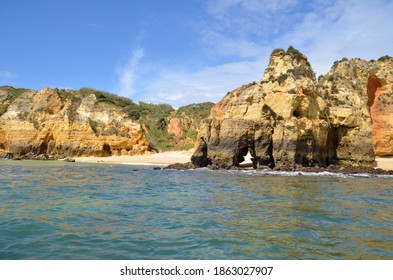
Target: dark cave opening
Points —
{"points": [[296, 113], [43, 148], [106, 150]]}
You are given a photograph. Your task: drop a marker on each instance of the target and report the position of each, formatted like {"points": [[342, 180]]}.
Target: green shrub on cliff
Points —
{"points": [[296, 54], [277, 51], [106, 97], [15, 92], [7, 95], [155, 110], [196, 111], [133, 110], [154, 117], [3, 109], [385, 57]]}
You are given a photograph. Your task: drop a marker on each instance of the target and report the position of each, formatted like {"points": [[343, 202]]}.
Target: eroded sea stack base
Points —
{"points": [[289, 119]]}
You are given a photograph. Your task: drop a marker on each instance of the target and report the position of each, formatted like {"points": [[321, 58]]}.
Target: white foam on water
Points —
{"points": [[314, 174], [144, 163]]}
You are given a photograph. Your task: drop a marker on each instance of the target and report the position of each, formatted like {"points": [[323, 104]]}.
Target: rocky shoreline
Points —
{"points": [[287, 121], [342, 169], [31, 156], [333, 168]]}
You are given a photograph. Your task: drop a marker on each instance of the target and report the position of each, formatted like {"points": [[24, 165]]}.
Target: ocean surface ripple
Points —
{"points": [[57, 210]]}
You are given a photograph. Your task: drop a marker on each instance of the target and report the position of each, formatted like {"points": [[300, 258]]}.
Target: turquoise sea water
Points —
{"points": [[57, 210]]}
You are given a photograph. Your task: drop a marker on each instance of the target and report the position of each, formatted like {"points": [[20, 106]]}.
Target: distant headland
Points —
{"points": [[59, 123]]}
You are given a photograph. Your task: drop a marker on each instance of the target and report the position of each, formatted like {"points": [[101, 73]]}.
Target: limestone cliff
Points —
{"points": [[66, 123], [288, 119], [170, 129], [280, 120], [359, 95], [184, 122]]}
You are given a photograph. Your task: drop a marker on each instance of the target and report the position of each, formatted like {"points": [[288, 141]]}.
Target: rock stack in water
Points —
{"points": [[289, 119]]}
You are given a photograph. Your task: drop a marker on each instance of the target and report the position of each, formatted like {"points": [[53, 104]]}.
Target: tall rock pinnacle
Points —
{"points": [[289, 119]]}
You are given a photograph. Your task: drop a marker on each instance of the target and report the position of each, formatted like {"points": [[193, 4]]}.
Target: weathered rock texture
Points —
{"points": [[360, 97], [183, 124], [66, 124], [289, 119]]}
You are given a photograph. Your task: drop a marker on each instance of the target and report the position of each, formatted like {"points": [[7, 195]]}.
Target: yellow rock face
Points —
{"points": [[287, 118], [279, 120], [359, 94], [41, 122], [380, 91]]}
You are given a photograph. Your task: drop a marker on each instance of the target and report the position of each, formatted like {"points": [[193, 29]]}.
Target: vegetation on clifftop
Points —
{"points": [[154, 117], [195, 110], [7, 95]]}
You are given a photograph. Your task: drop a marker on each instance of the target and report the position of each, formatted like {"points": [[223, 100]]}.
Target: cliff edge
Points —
{"points": [[66, 123], [289, 119]]}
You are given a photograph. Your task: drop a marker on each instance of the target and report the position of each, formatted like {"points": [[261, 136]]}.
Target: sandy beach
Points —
{"points": [[385, 163], [164, 158]]}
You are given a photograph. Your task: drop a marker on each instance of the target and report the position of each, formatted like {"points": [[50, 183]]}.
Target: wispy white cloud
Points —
{"points": [[237, 37], [208, 84], [128, 73], [221, 45], [324, 30], [256, 21], [7, 75], [343, 29]]}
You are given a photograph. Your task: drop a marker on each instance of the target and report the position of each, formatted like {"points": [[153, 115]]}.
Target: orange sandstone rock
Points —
{"points": [[44, 122], [287, 118]]}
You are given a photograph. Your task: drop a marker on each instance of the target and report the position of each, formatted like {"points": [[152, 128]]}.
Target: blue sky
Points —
{"points": [[179, 51]]}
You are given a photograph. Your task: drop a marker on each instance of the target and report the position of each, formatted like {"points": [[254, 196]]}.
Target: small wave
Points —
{"points": [[144, 164], [203, 169], [268, 172]]}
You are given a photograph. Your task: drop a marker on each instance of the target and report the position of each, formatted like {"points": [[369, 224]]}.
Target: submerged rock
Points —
{"points": [[199, 158], [179, 166], [41, 157], [9, 156]]}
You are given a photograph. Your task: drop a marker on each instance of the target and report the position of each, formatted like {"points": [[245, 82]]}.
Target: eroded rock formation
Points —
{"points": [[360, 95], [288, 119], [67, 123], [183, 124]]}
